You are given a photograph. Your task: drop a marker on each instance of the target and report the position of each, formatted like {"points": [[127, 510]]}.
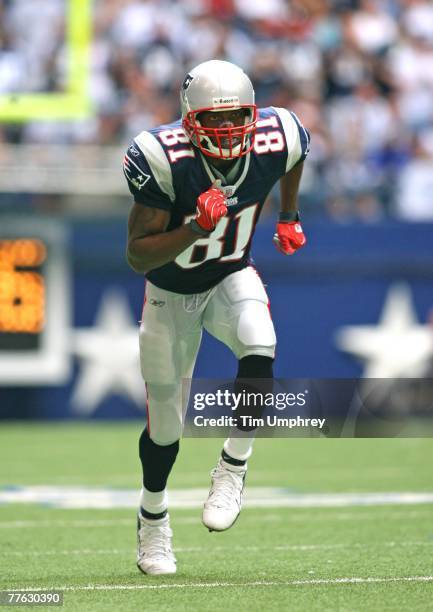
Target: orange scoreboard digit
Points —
{"points": [[22, 286], [34, 302]]}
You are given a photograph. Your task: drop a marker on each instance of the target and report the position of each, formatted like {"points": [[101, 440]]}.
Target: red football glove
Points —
{"points": [[211, 206], [289, 237]]}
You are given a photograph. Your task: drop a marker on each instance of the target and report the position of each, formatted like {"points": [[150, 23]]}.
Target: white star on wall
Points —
{"points": [[398, 347], [109, 356]]}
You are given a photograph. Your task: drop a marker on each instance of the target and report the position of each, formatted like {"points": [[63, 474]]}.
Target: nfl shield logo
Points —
{"points": [[228, 190], [187, 82]]}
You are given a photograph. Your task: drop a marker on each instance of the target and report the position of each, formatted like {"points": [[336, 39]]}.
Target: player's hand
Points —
{"points": [[289, 237], [211, 206]]}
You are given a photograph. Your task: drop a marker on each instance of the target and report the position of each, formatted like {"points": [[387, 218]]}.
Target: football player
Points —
{"points": [[199, 185]]}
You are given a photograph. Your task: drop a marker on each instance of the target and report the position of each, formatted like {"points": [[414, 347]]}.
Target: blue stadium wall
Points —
{"points": [[341, 278]]}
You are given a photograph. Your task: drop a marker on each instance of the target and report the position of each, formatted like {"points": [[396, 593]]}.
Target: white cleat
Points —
{"points": [[224, 502], [154, 552]]}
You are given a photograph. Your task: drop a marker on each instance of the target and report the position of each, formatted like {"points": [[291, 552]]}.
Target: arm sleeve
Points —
{"points": [[148, 172], [297, 137]]}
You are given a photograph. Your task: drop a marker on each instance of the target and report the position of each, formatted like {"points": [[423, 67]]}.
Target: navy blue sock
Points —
{"points": [[255, 375], [156, 462], [231, 460]]}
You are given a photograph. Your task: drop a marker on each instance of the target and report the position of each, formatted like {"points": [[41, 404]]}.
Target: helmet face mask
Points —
{"points": [[226, 141], [214, 87]]}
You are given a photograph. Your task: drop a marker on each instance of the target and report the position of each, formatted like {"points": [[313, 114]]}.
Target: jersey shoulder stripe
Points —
{"points": [[157, 161], [304, 136], [297, 137]]}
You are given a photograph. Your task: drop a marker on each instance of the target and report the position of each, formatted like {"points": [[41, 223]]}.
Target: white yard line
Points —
{"points": [[255, 497], [391, 514], [202, 549], [72, 523], [210, 585], [332, 514]]}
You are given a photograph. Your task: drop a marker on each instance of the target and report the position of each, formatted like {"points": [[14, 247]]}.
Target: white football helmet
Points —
{"points": [[218, 86]]}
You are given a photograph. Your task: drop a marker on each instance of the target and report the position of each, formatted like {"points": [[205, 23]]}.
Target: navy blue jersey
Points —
{"points": [[165, 171]]}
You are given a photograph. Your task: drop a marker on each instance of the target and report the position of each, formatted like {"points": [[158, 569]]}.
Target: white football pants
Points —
{"points": [[235, 312]]}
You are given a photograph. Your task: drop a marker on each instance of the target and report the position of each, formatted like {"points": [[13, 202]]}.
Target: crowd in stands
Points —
{"points": [[359, 74]]}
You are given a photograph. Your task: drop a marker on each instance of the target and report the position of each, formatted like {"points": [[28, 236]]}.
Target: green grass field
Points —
{"points": [[357, 557]]}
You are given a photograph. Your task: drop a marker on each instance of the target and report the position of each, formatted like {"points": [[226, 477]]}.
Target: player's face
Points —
{"points": [[223, 120]]}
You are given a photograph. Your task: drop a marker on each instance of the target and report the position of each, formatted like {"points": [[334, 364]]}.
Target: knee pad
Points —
{"points": [[241, 315], [164, 432], [164, 412], [255, 329]]}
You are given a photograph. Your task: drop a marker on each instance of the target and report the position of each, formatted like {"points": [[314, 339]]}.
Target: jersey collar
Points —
{"points": [[215, 174]]}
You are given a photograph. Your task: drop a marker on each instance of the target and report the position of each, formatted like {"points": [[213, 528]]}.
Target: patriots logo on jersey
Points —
{"points": [[134, 151], [134, 174]]}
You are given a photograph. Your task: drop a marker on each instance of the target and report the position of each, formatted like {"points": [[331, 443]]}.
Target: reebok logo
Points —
{"points": [[232, 100]]}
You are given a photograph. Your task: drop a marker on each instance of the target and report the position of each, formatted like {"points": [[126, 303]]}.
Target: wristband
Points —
{"points": [[289, 217], [196, 227]]}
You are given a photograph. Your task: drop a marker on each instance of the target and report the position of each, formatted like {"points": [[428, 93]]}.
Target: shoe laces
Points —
{"points": [[226, 484], [155, 540]]}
